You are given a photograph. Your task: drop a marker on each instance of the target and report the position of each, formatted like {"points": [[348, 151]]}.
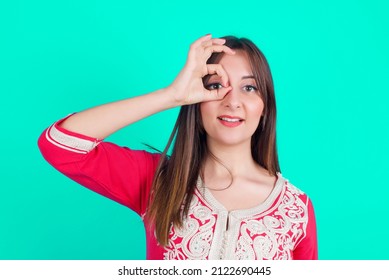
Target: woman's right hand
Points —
{"points": [[188, 86]]}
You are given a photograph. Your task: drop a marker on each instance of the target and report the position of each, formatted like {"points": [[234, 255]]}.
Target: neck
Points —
{"points": [[236, 158]]}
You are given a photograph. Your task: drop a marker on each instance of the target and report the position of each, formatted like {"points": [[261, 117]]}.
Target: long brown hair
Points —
{"points": [[176, 175]]}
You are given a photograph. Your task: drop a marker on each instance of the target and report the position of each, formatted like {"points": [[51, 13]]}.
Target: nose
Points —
{"points": [[232, 99]]}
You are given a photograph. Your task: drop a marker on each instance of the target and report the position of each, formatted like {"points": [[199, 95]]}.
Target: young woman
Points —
{"points": [[219, 195]]}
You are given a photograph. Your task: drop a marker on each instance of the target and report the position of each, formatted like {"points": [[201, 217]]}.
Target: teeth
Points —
{"points": [[230, 120]]}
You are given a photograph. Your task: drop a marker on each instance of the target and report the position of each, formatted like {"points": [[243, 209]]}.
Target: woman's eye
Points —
{"points": [[250, 88], [213, 86]]}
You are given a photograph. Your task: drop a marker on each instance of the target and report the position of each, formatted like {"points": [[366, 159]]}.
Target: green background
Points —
{"points": [[330, 65]]}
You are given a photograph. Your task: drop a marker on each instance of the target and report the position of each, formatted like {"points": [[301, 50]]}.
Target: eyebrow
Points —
{"points": [[243, 78], [248, 77]]}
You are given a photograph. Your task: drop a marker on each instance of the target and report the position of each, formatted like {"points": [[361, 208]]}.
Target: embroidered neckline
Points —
{"points": [[241, 213], [270, 230]]}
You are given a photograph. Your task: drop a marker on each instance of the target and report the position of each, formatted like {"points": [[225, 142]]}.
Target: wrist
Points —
{"points": [[168, 97], [174, 96]]}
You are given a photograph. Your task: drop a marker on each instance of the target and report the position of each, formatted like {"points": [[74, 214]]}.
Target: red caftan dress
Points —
{"points": [[282, 227]]}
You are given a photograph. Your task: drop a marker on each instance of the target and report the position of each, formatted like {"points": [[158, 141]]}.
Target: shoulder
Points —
{"points": [[292, 191]]}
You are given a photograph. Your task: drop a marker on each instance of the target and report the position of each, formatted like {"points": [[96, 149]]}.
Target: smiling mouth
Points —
{"points": [[231, 120]]}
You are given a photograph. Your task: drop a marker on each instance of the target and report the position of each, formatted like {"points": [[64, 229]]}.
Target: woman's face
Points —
{"points": [[234, 119]]}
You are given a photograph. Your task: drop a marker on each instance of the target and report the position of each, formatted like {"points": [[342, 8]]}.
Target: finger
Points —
{"points": [[218, 48], [201, 40], [219, 41], [217, 94], [218, 70], [215, 41]]}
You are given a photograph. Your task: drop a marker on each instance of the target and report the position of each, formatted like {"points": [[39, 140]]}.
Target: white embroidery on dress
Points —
{"points": [[69, 142], [272, 234], [274, 237], [193, 240]]}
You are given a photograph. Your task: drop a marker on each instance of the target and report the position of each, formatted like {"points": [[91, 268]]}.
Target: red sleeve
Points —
{"points": [[118, 173], [307, 247]]}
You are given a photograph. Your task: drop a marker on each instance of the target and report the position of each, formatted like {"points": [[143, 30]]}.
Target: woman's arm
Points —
{"points": [[307, 249], [73, 145], [101, 121]]}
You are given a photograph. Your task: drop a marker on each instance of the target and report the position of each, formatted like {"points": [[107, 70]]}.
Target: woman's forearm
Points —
{"points": [[101, 121]]}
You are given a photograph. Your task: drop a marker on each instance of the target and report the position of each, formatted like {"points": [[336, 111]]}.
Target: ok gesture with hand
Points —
{"points": [[188, 86]]}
